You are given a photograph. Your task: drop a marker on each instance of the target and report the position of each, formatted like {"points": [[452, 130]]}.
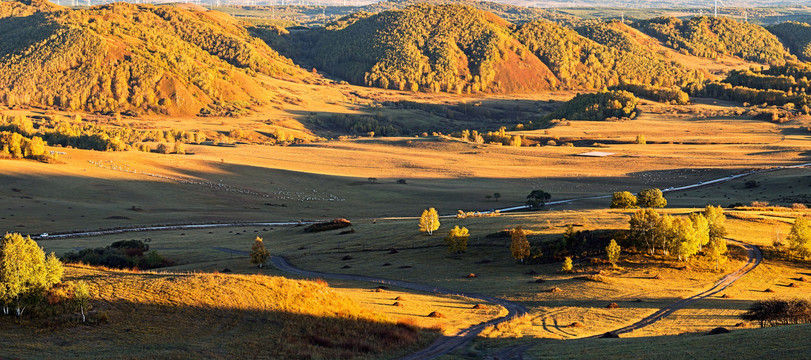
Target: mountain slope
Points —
{"points": [[605, 55], [797, 36], [433, 48], [710, 37], [136, 58]]}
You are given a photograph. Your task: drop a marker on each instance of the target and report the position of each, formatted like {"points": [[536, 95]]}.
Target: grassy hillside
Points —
{"points": [[711, 37], [797, 36], [604, 55], [448, 48], [140, 315], [133, 58]]}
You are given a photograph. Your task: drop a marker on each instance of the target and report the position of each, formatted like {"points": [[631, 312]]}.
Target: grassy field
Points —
{"points": [[640, 286], [171, 315]]}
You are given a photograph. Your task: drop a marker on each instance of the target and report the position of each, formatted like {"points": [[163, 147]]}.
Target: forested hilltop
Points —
{"points": [[146, 59], [447, 48], [712, 37], [134, 59], [461, 49]]}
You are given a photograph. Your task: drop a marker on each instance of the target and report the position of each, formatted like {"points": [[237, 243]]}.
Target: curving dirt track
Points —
{"points": [[755, 256], [444, 344]]}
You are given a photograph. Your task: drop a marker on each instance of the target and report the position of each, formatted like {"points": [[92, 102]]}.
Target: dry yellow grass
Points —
{"points": [[173, 315]]}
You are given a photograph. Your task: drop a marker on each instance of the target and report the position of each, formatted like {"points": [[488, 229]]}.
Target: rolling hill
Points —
{"points": [[448, 48], [133, 58], [711, 37], [797, 36]]}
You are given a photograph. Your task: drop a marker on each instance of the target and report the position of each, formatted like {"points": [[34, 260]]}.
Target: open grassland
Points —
{"points": [[172, 315], [785, 342], [640, 286], [331, 179]]}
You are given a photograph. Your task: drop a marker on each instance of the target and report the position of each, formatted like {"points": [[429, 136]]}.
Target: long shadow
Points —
{"points": [[128, 329]]}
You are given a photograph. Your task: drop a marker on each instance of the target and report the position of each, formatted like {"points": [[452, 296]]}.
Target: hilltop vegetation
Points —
{"points": [[778, 85], [712, 37], [446, 48], [133, 58], [797, 36]]}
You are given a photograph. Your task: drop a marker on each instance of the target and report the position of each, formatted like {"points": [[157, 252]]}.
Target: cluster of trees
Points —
{"points": [[776, 312], [490, 137], [683, 236], [25, 273], [778, 85], [598, 106], [120, 255], [84, 135], [648, 198], [141, 59], [712, 37], [379, 124], [796, 35], [17, 146], [671, 95]]}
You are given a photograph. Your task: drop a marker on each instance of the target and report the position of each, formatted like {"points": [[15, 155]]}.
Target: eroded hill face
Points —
{"points": [[447, 48], [137, 58]]}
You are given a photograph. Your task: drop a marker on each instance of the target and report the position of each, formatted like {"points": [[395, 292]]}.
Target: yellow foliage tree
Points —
{"points": [[519, 246], [259, 254], [429, 221], [457, 239]]}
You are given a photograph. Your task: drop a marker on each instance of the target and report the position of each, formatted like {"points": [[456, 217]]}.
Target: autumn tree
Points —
{"points": [[537, 198], [644, 228], [81, 297], [651, 198], [567, 265], [25, 272], [799, 238], [519, 246], [259, 254], [457, 239], [613, 252], [623, 200], [429, 221]]}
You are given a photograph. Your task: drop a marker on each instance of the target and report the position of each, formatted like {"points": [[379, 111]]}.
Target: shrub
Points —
{"points": [[334, 224], [779, 312]]}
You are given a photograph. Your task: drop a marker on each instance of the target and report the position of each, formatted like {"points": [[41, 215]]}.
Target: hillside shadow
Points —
{"points": [[22, 32], [123, 328]]}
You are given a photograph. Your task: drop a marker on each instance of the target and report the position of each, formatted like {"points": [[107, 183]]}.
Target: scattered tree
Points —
{"points": [[81, 296], [716, 221], [537, 198], [25, 272], [623, 200], [567, 265], [457, 239], [259, 254], [651, 198], [640, 139], [496, 196], [429, 221], [613, 251], [519, 246], [799, 238]]}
